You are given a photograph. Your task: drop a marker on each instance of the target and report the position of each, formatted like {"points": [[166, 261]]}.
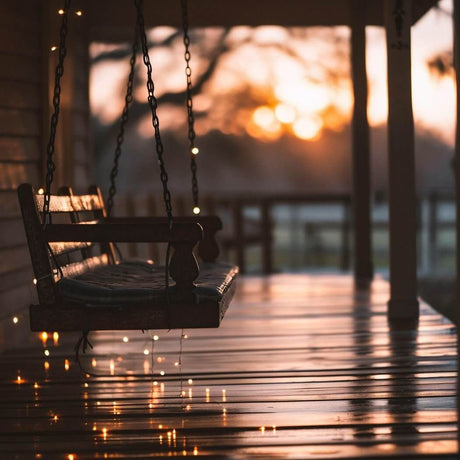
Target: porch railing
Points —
{"points": [[251, 220]]}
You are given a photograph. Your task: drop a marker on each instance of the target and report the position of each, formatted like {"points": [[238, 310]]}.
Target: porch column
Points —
{"points": [[457, 188], [361, 192], [403, 303]]}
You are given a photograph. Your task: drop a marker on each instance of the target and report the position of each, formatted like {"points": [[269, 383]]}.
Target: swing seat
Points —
{"points": [[96, 292], [139, 281]]}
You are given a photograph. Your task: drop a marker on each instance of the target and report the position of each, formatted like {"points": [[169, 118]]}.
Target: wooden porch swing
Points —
{"points": [[81, 284]]}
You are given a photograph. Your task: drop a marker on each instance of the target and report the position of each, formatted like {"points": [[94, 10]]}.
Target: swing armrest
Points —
{"points": [[210, 222], [127, 232], [208, 248]]}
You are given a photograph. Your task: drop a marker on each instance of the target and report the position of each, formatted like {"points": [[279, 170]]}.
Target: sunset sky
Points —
{"points": [[297, 81]]}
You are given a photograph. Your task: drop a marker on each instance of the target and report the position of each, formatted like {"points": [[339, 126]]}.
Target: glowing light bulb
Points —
{"points": [[125, 339], [176, 363], [195, 451], [15, 320], [66, 365], [34, 281], [262, 429], [41, 191], [79, 13], [61, 11], [53, 48], [190, 381], [196, 210], [93, 362], [46, 352], [19, 380], [162, 372], [36, 385], [155, 337], [46, 365], [56, 338], [195, 150], [146, 352]]}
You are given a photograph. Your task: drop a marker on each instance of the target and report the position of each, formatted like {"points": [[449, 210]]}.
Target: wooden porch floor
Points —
{"points": [[302, 367]]}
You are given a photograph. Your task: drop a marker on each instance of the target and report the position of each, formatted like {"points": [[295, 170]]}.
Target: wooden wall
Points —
{"points": [[28, 29], [20, 145]]}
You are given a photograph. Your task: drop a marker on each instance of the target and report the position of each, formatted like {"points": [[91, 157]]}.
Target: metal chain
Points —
{"points": [[123, 121], [153, 103], [50, 165], [190, 116]]}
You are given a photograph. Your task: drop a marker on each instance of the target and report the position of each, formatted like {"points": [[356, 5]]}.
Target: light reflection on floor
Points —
{"points": [[302, 366]]}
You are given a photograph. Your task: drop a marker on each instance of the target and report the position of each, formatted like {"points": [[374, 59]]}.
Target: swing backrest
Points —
{"points": [[73, 258]]}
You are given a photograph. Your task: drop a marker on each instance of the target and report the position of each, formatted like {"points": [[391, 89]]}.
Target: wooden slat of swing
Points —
{"points": [[56, 313], [74, 203], [72, 317], [77, 268], [123, 232], [66, 248]]}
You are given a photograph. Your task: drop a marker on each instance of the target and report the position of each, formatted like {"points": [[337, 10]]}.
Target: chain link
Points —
{"points": [[123, 121], [153, 103], [50, 165], [189, 103]]}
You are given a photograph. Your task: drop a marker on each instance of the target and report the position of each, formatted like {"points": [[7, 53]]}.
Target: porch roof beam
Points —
{"points": [[113, 20]]}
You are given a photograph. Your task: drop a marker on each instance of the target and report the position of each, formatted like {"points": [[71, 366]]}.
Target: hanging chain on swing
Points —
{"points": [[190, 116], [50, 165], [153, 103], [123, 121]]}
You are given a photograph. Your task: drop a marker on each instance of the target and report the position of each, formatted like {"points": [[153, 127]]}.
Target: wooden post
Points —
{"points": [[345, 230], [238, 234], [267, 258], [457, 191], [363, 269], [403, 303], [432, 230]]}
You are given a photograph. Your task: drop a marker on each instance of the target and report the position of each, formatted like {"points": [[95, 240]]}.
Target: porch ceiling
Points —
{"points": [[111, 20]]}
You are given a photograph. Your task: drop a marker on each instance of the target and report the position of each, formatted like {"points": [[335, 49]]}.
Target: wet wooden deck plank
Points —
{"points": [[302, 367]]}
